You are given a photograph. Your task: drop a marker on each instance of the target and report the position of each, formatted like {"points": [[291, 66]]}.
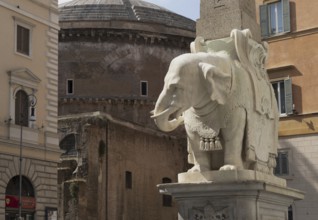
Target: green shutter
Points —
{"points": [[264, 20], [277, 168], [286, 15], [284, 163], [288, 96]]}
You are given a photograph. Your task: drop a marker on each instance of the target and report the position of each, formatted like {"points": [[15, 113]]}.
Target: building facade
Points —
{"points": [[28, 116], [111, 167], [290, 28], [113, 56]]}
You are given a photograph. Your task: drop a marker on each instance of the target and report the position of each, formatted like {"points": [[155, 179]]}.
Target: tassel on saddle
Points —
{"points": [[210, 144]]}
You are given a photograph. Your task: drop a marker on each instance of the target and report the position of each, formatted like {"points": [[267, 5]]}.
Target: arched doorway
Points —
{"points": [[12, 199]]}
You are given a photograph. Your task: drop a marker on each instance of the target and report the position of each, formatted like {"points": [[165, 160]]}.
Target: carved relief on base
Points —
{"points": [[210, 212]]}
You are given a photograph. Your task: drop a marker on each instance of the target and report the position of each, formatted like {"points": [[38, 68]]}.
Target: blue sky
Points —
{"points": [[187, 8]]}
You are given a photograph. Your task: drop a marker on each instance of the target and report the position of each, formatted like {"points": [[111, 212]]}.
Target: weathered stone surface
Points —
{"points": [[129, 11], [108, 148], [236, 200], [229, 176], [219, 17]]}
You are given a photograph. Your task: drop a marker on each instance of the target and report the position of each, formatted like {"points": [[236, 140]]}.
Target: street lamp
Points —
{"points": [[31, 103]]}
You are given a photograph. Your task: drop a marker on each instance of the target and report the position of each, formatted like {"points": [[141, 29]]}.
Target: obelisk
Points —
{"points": [[219, 17]]}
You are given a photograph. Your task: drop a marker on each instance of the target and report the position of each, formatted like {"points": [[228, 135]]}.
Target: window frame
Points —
{"points": [[288, 175], [143, 82], [67, 86], [25, 107], [288, 96], [26, 25], [265, 18], [128, 179]]}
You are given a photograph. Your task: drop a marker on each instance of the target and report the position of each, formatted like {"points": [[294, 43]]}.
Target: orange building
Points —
{"points": [[290, 27]]}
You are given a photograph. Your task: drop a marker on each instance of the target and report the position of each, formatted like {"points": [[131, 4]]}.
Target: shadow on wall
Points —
{"points": [[303, 174], [297, 97], [293, 17]]}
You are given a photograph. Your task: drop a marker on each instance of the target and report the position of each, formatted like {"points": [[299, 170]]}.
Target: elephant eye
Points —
{"points": [[173, 87]]}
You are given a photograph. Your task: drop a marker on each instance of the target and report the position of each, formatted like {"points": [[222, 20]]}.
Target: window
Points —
{"points": [[21, 108], [282, 163], [144, 88], [28, 200], [275, 18], [23, 39], [128, 178], [166, 199], [290, 213], [283, 94], [70, 87]]}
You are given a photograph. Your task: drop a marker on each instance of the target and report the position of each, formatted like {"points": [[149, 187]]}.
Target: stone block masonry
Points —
{"points": [[219, 17]]}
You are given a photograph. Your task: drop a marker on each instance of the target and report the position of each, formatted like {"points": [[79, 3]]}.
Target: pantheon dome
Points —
{"points": [[108, 12], [115, 53]]}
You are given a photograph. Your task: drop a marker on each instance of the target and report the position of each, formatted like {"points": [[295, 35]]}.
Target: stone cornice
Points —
{"points": [[67, 35], [291, 35], [298, 124], [111, 101], [49, 23]]}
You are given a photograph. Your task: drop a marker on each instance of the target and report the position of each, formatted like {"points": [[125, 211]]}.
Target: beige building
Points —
{"points": [[28, 113], [291, 29]]}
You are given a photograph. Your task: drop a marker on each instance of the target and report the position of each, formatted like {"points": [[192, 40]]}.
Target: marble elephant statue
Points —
{"points": [[222, 94]]}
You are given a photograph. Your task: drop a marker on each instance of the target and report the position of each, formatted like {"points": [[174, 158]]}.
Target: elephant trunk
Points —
{"points": [[162, 114]]}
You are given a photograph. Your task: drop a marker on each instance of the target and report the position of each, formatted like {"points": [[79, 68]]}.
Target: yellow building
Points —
{"points": [[28, 113], [291, 29]]}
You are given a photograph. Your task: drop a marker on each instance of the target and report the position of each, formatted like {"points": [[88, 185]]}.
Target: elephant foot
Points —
{"points": [[198, 168], [230, 167]]}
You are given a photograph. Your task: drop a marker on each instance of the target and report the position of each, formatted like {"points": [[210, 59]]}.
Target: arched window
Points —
{"points": [[13, 187], [28, 201], [68, 145], [21, 108], [166, 199]]}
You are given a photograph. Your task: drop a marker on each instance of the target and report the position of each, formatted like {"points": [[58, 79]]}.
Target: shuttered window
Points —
{"points": [[282, 164], [23, 40], [284, 97], [275, 18], [21, 108]]}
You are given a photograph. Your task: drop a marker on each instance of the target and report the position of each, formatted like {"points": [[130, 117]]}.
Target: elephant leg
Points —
{"points": [[200, 159], [233, 136]]}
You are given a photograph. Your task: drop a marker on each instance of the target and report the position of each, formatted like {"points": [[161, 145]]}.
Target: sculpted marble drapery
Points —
{"points": [[222, 94]]}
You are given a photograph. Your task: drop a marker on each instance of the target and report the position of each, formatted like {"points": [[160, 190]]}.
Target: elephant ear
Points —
{"points": [[241, 39], [219, 82]]}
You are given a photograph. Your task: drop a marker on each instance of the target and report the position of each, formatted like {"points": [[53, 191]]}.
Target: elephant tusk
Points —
{"points": [[160, 114], [163, 122]]}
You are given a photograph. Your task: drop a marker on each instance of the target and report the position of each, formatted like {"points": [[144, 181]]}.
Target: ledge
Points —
{"points": [[230, 176]]}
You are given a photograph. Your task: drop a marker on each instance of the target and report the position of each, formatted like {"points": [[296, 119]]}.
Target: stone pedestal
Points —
{"points": [[219, 17], [231, 195]]}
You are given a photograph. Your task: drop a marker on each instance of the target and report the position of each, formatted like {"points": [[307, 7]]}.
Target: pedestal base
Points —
{"points": [[239, 197]]}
